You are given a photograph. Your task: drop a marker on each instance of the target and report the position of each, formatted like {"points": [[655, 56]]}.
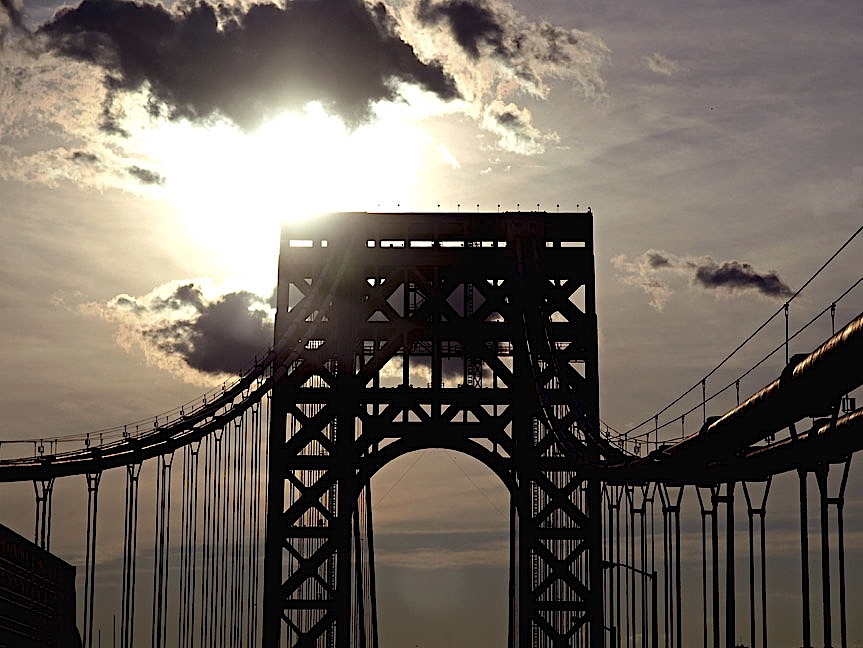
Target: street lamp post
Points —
{"points": [[654, 634]]}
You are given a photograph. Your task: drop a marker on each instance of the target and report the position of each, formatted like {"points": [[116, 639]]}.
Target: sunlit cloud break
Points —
{"points": [[200, 60], [728, 277], [662, 65], [96, 80]]}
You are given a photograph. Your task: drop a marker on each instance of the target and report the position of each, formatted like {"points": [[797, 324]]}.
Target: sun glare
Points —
{"points": [[233, 189]]}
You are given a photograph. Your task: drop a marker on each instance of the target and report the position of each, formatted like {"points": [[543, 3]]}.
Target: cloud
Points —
{"points": [[522, 54], [11, 18], [494, 53], [733, 275], [491, 553], [662, 65], [192, 328], [447, 156], [197, 61], [103, 75], [146, 176], [514, 128], [730, 277], [84, 157]]}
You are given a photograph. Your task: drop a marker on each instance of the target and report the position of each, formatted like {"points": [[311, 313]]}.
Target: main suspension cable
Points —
{"points": [[779, 311]]}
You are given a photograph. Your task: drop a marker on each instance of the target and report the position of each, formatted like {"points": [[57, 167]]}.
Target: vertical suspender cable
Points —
{"points": [[617, 588], [90, 561], [130, 543], [643, 563], [666, 561], [206, 618], [750, 514], [189, 544], [240, 532], [247, 450], [730, 588], [804, 556], [265, 442], [652, 563], [764, 567], [372, 579], [714, 541], [162, 542], [221, 537], [840, 522], [760, 511], [608, 492], [44, 495], [193, 541], [821, 475], [678, 576], [183, 596], [254, 507], [241, 601], [704, 514], [626, 537], [232, 477]]}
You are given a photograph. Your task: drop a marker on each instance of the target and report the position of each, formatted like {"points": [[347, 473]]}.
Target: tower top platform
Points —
{"points": [[436, 229]]}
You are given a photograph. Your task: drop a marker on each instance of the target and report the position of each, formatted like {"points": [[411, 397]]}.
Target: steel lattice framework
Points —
{"points": [[476, 333], [402, 332]]}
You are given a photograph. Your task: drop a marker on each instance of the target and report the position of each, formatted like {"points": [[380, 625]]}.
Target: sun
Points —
{"points": [[232, 190]]}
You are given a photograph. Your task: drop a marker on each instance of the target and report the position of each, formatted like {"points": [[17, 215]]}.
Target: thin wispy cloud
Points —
{"points": [[652, 269], [514, 128], [662, 65]]}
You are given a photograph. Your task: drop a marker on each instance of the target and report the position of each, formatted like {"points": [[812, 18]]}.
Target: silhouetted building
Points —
{"points": [[37, 596]]}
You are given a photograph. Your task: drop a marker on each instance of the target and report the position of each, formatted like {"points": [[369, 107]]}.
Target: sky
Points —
{"points": [[149, 153]]}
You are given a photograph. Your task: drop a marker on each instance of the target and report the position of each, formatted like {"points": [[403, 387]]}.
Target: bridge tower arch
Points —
{"points": [[399, 332]]}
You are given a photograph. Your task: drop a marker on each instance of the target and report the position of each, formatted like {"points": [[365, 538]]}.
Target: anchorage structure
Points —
{"points": [[399, 332]]}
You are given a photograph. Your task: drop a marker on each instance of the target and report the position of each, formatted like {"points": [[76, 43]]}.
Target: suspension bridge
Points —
{"points": [[263, 531]]}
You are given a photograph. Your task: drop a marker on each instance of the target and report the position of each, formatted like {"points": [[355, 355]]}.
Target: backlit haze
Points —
{"points": [[149, 153]]}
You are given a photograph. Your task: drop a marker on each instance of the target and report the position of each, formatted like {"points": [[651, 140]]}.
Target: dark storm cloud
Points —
{"points": [[84, 157], [15, 15], [146, 176], [729, 276], [657, 260], [179, 323], [224, 337], [528, 51], [472, 24], [201, 60], [734, 275]]}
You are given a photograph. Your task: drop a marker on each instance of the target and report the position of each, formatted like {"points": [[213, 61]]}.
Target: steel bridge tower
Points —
{"points": [[400, 332]]}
